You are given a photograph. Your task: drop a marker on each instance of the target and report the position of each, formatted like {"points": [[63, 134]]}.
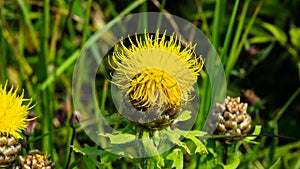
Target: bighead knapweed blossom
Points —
{"points": [[13, 119], [155, 74]]}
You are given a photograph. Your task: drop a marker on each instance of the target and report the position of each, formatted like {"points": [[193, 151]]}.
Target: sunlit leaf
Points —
{"points": [[148, 144], [232, 162], [276, 164], [192, 135], [87, 150], [261, 39], [185, 115], [174, 137], [276, 32], [156, 137], [256, 131], [196, 133], [295, 36], [159, 161], [176, 156], [119, 138], [200, 146], [298, 65]]}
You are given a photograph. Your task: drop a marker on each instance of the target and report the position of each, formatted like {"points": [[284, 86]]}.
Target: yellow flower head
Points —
{"points": [[154, 71], [13, 115]]}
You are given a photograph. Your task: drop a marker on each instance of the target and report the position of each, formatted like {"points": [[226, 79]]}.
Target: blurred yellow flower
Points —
{"points": [[13, 115], [155, 71]]}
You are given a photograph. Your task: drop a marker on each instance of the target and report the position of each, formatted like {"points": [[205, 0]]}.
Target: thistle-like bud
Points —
{"points": [[230, 118], [9, 149], [152, 118], [35, 161]]}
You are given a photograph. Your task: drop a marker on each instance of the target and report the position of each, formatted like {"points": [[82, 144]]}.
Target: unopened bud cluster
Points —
{"points": [[35, 161], [230, 118], [9, 149]]}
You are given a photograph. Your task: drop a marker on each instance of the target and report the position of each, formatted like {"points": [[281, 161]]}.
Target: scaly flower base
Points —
{"points": [[9, 149], [230, 118], [35, 161], [152, 118]]}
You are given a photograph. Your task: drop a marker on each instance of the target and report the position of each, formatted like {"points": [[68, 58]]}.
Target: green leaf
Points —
{"points": [[174, 137], [232, 162], [87, 150], [212, 151], [262, 39], [159, 161], [256, 131], [91, 162], [119, 138], [148, 144], [108, 157], [200, 146], [276, 32], [176, 156], [264, 53], [295, 36], [76, 162], [276, 164], [298, 65], [185, 115], [197, 133], [156, 137], [192, 135], [93, 151]]}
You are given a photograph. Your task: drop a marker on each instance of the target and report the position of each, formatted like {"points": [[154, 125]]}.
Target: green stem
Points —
{"points": [[144, 8], [48, 142], [95, 37], [225, 153], [10, 43], [238, 45], [229, 31], [69, 153], [216, 26], [249, 26], [202, 16], [161, 9], [112, 8], [287, 104], [65, 65], [86, 22], [3, 56], [205, 91], [3, 48], [29, 24], [274, 123], [104, 95], [233, 54]]}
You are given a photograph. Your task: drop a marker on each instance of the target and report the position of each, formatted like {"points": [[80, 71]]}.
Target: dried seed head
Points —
{"points": [[230, 118], [9, 149], [35, 161]]}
